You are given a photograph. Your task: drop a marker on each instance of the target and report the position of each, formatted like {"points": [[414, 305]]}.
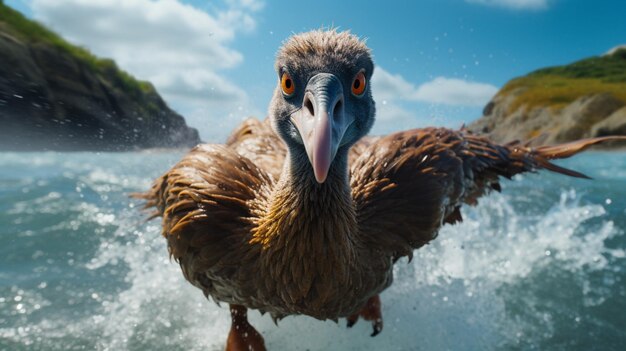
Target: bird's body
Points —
{"points": [[245, 237], [299, 214]]}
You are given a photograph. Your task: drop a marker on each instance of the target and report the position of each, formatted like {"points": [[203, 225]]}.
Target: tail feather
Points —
{"points": [[572, 148], [488, 161], [543, 154], [545, 164]]}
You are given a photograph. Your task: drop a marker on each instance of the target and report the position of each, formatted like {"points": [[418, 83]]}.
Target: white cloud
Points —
{"points": [[254, 5], [387, 86], [441, 90], [452, 91], [389, 91], [179, 48], [514, 4], [400, 104]]}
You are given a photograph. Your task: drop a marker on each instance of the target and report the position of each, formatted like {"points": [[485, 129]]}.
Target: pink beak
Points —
{"points": [[321, 148], [322, 122]]}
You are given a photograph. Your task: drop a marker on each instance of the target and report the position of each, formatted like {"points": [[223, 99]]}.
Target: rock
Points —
{"points": [[50, 99], [615, 124], [560, 104], [577, 119], [588, 116]]}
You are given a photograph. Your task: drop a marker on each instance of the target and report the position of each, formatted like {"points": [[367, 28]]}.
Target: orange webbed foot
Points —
{"points": [[242, 335], [370, 312]]}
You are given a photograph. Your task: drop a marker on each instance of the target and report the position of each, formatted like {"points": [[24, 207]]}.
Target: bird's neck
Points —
{"points": [[300, 208], [308, 247]]}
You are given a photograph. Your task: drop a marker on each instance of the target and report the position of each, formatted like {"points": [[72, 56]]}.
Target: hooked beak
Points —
{"points": [[322, 122]]}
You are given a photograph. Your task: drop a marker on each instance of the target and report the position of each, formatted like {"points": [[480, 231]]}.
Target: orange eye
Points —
{"points": [[286, 83], [358, 86]]}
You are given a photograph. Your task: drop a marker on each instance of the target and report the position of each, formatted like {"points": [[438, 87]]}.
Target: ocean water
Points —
{"points": [[540, 266]]}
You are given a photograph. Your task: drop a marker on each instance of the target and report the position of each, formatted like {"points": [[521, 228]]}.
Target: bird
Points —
{"points": [[304, 213]]}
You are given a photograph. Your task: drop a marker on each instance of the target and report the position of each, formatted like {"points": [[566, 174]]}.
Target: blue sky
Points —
{"points": [[438, 61]]}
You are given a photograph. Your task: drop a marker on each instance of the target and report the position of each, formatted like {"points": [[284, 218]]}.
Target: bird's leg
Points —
{"points": [[370, 312], [243, 336]]}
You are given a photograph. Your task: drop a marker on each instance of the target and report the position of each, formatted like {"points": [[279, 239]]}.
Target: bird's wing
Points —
{"points": [[408, 184], [258, 142], [208, 202], [360, 147]]}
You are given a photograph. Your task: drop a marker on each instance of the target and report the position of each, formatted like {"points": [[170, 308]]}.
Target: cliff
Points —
{"points": [[56, 96], [558, 104]]}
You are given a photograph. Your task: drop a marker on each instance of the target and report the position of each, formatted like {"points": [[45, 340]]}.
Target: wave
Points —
{"points": [[522, 269]]}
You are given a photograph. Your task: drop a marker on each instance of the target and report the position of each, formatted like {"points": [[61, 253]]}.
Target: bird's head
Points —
{"points": [[323, 102]]}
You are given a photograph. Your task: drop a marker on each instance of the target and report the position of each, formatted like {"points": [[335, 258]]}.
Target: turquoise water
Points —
{"points": [[540, 266]]}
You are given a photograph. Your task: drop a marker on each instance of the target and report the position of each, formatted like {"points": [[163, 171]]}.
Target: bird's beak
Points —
{"points": [[322, 122]]}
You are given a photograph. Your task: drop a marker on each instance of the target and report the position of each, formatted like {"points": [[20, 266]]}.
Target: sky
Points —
{"points": [[438, 62]]}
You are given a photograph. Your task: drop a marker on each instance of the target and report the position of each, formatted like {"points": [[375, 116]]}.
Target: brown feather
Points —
{"points": [[257, 142], [294, 247], [421, 177], [250, 226]]}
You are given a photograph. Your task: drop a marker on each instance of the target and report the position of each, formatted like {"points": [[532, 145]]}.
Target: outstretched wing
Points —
{"points": [[258, 142], [408, 184], [208, 202]]}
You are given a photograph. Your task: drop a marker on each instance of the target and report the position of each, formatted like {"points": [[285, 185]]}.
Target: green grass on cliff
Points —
{"points": [[22, 28], [556, 87]]}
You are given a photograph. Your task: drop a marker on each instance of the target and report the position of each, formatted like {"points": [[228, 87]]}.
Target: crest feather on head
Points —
{"points": [[322, 45]]}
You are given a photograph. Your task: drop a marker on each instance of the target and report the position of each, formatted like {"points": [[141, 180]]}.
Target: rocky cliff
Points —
{"points": [[57, 96], [559, 104]]}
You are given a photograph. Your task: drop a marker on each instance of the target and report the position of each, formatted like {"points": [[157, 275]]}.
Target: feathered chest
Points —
{"points": [[309, 260], [317, 274]]}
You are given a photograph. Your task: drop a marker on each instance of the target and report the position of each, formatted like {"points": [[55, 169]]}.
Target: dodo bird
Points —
{"points": [[301, 214]]}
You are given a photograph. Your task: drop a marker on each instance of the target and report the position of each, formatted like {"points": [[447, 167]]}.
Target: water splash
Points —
{"points": [[494, 281]]}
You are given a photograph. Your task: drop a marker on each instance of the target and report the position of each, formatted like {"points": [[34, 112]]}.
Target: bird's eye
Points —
{"points": [[286, 83], [358, 85]]}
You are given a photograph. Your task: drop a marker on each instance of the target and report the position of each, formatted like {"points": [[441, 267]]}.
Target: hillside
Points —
{"points": [[57, 96], [557, 104]]}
